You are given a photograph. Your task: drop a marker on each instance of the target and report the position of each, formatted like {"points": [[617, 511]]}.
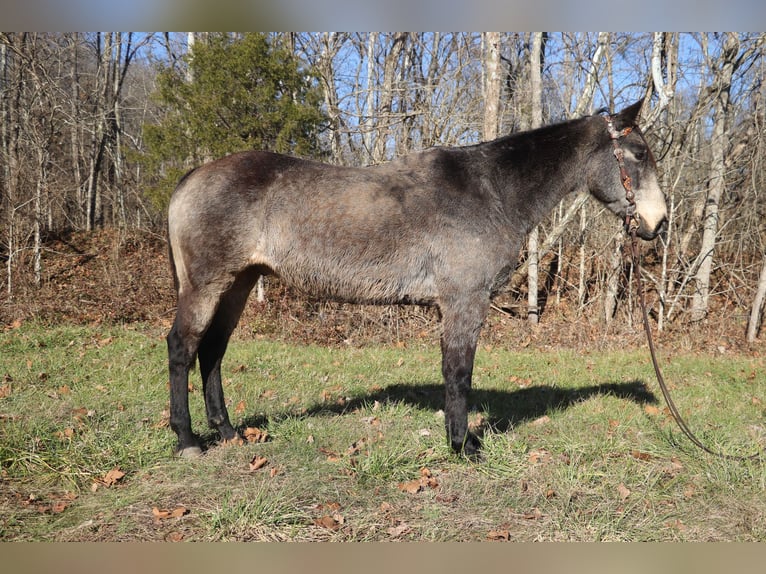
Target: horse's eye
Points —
{"points": [[639, 154]]}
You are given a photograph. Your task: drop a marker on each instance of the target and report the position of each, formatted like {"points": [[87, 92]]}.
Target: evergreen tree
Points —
{"points": [[237, 94]]}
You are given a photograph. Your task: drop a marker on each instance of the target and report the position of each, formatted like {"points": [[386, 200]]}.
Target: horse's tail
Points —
{"points": [[172, 265], [171, 258]]}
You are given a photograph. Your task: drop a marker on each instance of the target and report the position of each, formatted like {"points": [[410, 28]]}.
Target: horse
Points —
{"points": [[441, 227]]}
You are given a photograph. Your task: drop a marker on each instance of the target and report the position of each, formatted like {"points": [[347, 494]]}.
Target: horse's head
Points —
{"points": [[623, 154]]}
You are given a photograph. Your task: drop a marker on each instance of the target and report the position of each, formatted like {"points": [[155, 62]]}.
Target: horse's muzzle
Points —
{"points": [[649, 234]]}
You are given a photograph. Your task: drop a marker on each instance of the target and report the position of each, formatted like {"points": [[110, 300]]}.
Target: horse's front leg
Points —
{"points": [[461, 327]]}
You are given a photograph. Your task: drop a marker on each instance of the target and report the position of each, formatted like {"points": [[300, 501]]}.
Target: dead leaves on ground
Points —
{"points": [[330, 517], [255, 435], [424, 481], [110, 479], [55, 506], [163, 514]]}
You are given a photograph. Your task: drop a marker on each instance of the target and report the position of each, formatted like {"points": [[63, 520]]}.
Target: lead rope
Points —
{"points": [[660, 379], [631, 226]]}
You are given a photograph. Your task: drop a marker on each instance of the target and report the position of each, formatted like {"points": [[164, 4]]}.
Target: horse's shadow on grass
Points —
{"points": [[506, 409]]}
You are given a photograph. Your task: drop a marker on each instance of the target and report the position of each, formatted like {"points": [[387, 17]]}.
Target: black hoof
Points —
{"points": [[470, 447]]}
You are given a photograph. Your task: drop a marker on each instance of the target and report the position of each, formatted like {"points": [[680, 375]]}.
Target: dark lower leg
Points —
{"points": [[211, 352], [180, 362], [457, 368]]}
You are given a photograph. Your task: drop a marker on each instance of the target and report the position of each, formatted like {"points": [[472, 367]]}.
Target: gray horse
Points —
{"points": [[441, 227]]}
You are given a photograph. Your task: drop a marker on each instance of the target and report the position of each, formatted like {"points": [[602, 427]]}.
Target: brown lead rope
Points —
{"points": [[660, 379]]}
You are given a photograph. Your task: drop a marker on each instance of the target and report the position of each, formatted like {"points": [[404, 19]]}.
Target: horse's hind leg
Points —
{"points": [[194, 314], [213, 347]]}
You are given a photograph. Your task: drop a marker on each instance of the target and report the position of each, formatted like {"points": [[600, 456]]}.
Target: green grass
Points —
{"points": [[576, 447]]}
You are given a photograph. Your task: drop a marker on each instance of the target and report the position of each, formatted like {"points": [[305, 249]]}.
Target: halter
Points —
{"points": [[631, 215]]}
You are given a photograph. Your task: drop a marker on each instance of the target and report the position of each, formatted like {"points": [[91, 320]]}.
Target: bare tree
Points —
{"points": [[757, 308], [492, 83], [723, 72], [536, 104]]}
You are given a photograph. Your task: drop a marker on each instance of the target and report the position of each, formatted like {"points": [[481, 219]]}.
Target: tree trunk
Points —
{"points": [[388, 89], [331, 44], [717, 178], [755, 312], [536, 93], [369, 112], [492, 84], [586, 97]]}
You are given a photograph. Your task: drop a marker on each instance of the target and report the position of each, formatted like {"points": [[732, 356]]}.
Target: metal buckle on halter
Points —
{"points": [[632, 219]]}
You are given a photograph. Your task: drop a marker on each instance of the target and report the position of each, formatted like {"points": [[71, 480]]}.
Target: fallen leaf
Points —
{"points": [[534, 514], [258, 462], [651, 410], [240, 408], [426, 480], [174, 537], [331, 456], [476, 423], [5, 391], [235, 441], [411, 486], [66, 434], [755, 400], [59, 506], [397, 531], [550, 493], [676, 524], [624, 491], [540, 455], [356, 447], [640, 455], [64, 389], [329, 522], [113, 476], [161, 514], [545, 419], [498, 535], [254, 434]]}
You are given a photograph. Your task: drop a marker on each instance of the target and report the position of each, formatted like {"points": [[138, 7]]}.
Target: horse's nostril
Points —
{"points": [[662, 229]]}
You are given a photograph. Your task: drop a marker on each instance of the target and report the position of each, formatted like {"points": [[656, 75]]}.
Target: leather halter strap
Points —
{"points": [[631, 215]]}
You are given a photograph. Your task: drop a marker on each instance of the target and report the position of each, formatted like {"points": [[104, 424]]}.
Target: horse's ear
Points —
{"points": [[628, 117]]}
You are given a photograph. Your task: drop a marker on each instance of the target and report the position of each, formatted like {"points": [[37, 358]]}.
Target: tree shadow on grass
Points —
{"points": [[506, 408]]}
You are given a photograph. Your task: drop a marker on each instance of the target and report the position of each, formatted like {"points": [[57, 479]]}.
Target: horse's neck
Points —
{"points": [[536, 169]]}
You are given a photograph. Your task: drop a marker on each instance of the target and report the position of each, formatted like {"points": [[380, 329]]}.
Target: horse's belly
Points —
{"points": [[371, 284]]}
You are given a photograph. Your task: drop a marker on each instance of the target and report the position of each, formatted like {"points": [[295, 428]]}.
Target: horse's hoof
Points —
{"points": [[189, 452]]}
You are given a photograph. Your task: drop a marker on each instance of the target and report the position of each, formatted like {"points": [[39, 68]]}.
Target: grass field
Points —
{"points": [[576, 446]]}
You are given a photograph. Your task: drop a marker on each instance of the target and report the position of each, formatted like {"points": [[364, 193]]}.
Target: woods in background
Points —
{"points": [[95, 128]]}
